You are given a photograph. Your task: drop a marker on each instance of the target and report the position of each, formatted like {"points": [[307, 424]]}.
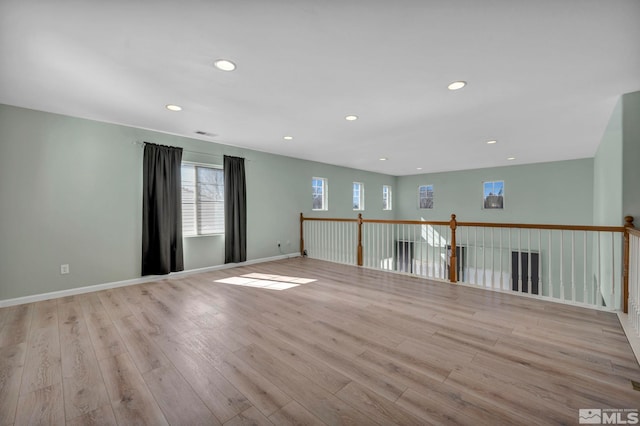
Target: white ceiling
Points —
{"points": [[543, 75]]}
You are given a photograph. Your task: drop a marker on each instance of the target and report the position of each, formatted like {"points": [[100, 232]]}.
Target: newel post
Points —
{"points": [[453, 261], [301, 235], [628, 224], [359, 239]]}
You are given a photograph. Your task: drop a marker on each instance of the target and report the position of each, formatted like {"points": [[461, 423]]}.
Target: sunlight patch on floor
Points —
{"points": [[268, 281]]}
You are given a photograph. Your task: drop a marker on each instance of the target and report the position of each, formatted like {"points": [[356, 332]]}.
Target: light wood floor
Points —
{"points": [[355, 346]]}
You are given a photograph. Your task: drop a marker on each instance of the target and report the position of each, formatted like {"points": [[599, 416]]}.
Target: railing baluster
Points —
{"points": [[510, 257], [573, 266], [561, 264], [475, 254], [529, 281], [551, 292], [500, 281], [540, 264], [584, 263], [613, 272], [598, 295], [519, 260]]}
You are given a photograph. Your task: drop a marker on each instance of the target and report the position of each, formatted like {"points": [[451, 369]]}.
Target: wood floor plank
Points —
{"points": [[294, 414], [173, 393], [11, 369], [16, 325], [249, 417], [385, 385], [327, 407], [385, 412], [217, 393], [144, 352], [42, 366], [304, 363], [259, 391], [45, 314], [83, 385], [104, 335], [114, 304], [347, 345], [102, 416], [130, 398], [44, 406], [512, 395]]}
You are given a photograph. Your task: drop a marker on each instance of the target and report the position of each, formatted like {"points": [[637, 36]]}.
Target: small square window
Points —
{"points": [[319, 192], [358, 196], [425, 196], [493, 194], [386, 198]]}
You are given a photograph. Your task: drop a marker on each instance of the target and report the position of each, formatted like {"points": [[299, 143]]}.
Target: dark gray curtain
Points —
{"points": [[161, 210], [235, 210]]}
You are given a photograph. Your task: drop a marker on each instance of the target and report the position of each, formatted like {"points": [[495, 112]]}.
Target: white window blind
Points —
{"points": [[202, 200]]}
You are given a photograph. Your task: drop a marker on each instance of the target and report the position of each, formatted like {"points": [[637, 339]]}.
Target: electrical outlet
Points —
{"points": [[64, 269]]}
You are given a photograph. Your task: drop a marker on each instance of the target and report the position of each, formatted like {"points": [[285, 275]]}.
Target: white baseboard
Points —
{"points": [[632, 334], [134, 281]]}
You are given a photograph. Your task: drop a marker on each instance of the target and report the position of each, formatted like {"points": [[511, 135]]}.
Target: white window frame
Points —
{"points": [[324, 196], [358, 195], [197, 232], [427, 205], [387, 195]]}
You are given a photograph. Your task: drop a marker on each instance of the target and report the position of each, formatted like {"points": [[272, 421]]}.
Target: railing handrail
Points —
{"points": [[328, 219], [634, 231], [595, 228], [627, 230]]}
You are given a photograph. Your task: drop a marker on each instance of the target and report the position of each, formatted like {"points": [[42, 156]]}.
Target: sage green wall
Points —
{"points": [[631, 155], [607, 173], [71, 193], [551, 193]]}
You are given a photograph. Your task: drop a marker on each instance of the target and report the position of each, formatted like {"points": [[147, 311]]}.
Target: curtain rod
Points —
{"points": [[188, 150]]}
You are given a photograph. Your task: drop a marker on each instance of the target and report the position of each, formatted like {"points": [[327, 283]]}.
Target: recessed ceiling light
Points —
{"points": [[288, 138], [457, 85], [383, 158], [351, 117], [224, 65], [511, 158], [491, 142], [174, 107], [418, 168]]}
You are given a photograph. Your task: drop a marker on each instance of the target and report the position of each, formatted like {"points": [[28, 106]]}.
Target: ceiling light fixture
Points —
{"points": [[457, 85], [511, 158], [383, 158], [224, 65], [351, 117], [171, 107], [418, 168], [288, 138], [491, 142]]}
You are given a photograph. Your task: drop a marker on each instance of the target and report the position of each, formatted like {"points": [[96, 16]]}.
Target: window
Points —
{"points": [[319, 186], [202, 200], [386, 198], [493, 194], [425, 196], [358, 196]]}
